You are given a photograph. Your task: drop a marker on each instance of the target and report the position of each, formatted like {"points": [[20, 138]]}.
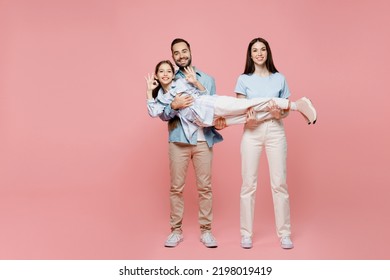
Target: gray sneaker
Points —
{"points": [[173, 239], [208, 240], [246, 242], [286, 243]]}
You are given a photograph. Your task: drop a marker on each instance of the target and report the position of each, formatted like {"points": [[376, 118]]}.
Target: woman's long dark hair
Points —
{"points": [[250, 65], [155, 91]]}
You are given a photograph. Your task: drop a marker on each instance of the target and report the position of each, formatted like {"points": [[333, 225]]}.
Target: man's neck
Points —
{"points": [[182, 68]]}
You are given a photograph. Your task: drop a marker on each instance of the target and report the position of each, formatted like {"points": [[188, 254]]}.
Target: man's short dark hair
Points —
{"points": [[180, 40]]}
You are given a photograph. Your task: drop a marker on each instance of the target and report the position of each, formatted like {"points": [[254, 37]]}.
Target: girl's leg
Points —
{"points": [[231, 106], [282, 103], [234, 109], [241, 119]]}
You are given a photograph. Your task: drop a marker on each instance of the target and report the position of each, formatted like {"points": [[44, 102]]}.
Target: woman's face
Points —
{"points": [[259, 53], [164, 74]]}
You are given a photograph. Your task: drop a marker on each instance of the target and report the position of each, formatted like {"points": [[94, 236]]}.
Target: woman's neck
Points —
{"points": [[262, 71]]}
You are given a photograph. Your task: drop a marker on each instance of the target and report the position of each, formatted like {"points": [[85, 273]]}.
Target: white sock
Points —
{"points": [[293, 106]]}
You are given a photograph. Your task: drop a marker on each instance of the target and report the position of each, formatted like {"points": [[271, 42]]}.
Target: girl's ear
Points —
{"points": [[155, 77]]}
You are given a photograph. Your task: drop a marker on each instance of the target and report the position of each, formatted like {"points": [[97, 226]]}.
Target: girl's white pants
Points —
{"points": [[234, 109]]}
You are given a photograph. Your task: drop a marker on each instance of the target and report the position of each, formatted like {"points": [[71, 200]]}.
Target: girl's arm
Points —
{"points": [[191, 78], [155, 108]]}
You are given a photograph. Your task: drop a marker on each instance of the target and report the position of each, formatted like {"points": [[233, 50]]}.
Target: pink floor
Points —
{"points": [[41, 226]]}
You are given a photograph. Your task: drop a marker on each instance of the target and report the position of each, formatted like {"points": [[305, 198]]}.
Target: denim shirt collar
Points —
{"points": [[173, 85]]}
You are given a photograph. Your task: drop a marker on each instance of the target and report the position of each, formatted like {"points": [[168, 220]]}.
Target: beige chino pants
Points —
{"points": [[179, 157], [269, 135]]}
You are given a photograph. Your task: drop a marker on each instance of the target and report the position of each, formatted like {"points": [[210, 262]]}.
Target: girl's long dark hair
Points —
{"points": [[250, 65], [155, 91], [172, 123]]}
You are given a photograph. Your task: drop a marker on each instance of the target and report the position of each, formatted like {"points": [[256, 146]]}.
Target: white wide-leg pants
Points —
{"points": [[269, 135]]}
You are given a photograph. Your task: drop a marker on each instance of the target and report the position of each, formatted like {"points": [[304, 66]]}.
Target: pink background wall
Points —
{"points": [[84, 170]]}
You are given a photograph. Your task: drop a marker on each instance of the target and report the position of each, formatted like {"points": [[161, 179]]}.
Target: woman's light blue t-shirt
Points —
{"points": [[253, 85]]}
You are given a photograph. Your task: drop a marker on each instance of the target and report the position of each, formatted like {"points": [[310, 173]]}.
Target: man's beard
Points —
{"points": [[187, 64]]}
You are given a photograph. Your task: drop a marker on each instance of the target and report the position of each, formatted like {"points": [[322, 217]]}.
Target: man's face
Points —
{"points": [[181, 55]]}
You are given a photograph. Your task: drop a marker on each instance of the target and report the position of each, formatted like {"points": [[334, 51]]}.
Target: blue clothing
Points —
{"points": [[156, 106], [253, 85], [177, 134], [201, 113]]}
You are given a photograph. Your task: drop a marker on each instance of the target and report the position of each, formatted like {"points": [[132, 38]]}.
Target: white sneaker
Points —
{"points": [[306, 108], [208, 240], [286, 243], [173, 239], [246, 242]]}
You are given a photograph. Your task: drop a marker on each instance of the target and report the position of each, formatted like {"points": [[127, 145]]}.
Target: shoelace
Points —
{"points": [[246, 239], [286, 240], [174, 237], [208, 237]]}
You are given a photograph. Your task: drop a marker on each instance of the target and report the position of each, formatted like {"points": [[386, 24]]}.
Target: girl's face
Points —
{"points": [[259, 53], [164, 74]]}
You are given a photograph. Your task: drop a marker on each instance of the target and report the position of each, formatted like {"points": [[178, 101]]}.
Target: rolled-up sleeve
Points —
{"points": [[168, 113], [155, 108]]}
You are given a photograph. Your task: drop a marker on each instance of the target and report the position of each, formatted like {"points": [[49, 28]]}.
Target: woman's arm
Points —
{"points": [[251, 120]]}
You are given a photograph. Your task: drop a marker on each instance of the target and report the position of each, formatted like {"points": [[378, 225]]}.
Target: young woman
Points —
{"points": [[262, 79], [206, 109]]}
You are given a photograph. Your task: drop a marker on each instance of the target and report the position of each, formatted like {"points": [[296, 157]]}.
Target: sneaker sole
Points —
{"points": [[172, 245], [246, 246], [212, 245], [287, 246], [310, 104]]}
